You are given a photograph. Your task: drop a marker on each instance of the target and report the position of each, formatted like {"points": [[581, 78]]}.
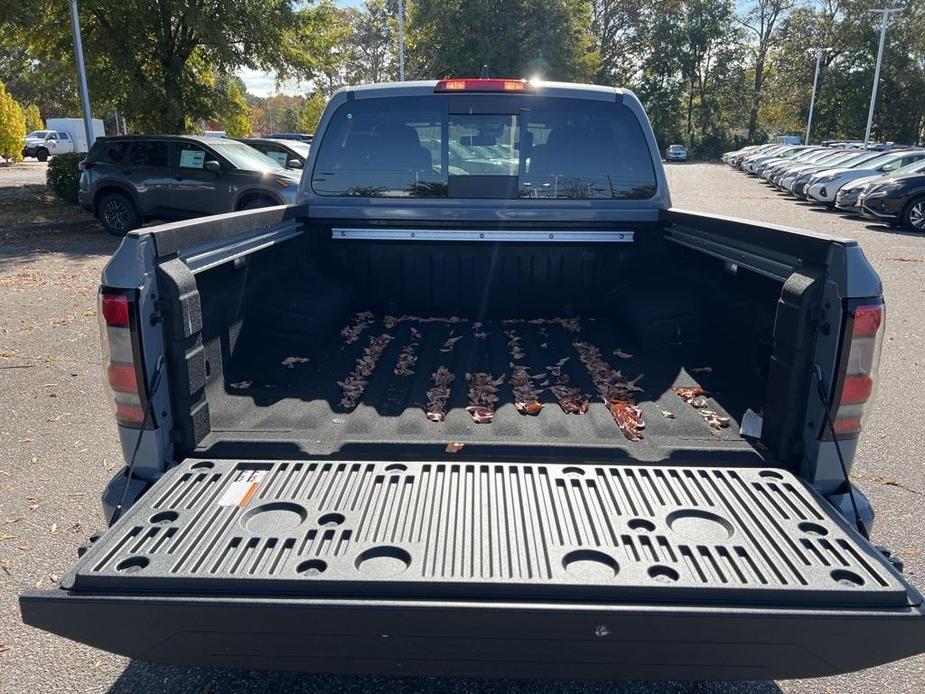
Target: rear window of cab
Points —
{"points": [[456, 146]]}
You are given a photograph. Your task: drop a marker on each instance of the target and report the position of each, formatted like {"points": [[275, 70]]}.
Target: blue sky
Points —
{"points": [[262, 83]]}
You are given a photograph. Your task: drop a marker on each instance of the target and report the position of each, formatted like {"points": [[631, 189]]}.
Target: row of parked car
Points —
{"points": [[885, 186], [128, 180]]}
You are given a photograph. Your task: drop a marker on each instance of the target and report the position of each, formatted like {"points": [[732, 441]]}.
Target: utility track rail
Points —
{"points": [[745, 536]]}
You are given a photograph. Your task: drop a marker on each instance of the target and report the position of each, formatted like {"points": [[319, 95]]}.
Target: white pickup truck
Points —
{"points": [[62, 136]]}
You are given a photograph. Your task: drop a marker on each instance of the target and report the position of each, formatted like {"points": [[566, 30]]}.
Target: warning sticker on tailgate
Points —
{"points": [[241, 490]]}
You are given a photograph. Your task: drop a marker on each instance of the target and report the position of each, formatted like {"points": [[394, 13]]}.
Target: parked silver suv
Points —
{"points": [[129, 180]]}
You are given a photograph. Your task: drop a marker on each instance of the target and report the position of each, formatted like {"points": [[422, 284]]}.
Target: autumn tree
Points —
{"points": [[161, 61], [12, 126], [33, 118], [311, 112]]}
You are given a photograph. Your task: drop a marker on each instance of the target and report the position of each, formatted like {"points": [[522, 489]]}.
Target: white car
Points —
{"points": [[676, 153], [824, 185]]}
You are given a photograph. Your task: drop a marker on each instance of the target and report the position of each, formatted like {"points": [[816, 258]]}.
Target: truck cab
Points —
{"points": [[42, 144]]}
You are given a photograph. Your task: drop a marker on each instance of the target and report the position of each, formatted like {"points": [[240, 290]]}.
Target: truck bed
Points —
{"points": [[261, 400]]}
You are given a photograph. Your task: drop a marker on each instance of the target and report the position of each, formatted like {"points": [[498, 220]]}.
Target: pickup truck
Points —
{"points": [[483, 403]]}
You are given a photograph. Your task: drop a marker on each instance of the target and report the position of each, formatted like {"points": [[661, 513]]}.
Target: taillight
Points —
{"points": [[480, 85], [858, 366], [123, 372]]}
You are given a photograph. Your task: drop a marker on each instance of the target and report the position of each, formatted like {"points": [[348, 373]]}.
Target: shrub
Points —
{"points": [[64, 175]]}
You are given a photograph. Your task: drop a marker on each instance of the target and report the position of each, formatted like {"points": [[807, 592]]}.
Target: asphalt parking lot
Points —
{"points": [[58, 448]]}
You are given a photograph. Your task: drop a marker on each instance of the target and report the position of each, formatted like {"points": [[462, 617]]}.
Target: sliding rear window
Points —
{"points": [[484, 147]]}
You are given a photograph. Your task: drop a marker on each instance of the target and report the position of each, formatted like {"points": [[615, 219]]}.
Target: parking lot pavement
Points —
{"points": [[58, 448], [26, 173]]}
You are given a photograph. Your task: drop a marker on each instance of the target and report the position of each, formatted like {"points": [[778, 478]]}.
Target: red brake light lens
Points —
{"points": [[479, 85], [858, 367], [856, 390], [115, 310], [122, 378], [129, 414], [867, 320]]}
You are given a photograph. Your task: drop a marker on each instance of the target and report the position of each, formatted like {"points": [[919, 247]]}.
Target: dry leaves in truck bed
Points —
{"points": [[572, 325], [438, 395], [694, 396], [354, 385], [408, 357], [571, 399], [526, 391], [291, 362], [361, 321], [483, 394], [477, 331], [689, 393], [513, 345], [450, 343], [617, 391], [391, 321]]}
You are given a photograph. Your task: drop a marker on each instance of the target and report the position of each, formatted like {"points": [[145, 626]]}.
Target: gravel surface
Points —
{"points": [[58, 448], [25, 173]]}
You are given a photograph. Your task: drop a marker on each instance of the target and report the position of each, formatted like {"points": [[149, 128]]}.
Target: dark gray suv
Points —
{"points": [[129, 180]]}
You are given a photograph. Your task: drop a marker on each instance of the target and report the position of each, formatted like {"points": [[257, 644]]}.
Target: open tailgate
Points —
{"points": [[497, 569]]}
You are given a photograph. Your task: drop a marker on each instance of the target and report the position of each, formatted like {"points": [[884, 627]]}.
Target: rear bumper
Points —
{"points": [[560, 640]]}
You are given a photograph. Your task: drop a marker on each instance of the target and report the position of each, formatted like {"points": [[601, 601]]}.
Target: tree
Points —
{"points": [[158, 61], [33, 118], [236, 113], [12, 126], [522, 38], [311, 112], [762, 20]]}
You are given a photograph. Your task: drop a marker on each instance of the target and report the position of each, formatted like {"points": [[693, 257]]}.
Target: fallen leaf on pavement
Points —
{"points": [[667, 415], [88, 314]]}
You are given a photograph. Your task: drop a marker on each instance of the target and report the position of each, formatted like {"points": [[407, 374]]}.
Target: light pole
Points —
{"points": [[82, 74], [401, 40], [812, 101], [885, 12]]}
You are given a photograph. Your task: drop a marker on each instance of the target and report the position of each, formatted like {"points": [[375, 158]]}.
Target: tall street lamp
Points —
{"points": [[82, 74], [812, 102], [885, 13]]}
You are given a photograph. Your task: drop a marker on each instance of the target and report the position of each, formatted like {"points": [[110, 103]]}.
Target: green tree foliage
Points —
{"points": [[311, 112], [714, 74], [33, 118], [159, 61], [236, 112], [549, 38], [12, 126]]}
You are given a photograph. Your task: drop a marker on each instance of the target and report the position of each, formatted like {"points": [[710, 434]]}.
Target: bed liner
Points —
{"points": [[301, 406]]}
